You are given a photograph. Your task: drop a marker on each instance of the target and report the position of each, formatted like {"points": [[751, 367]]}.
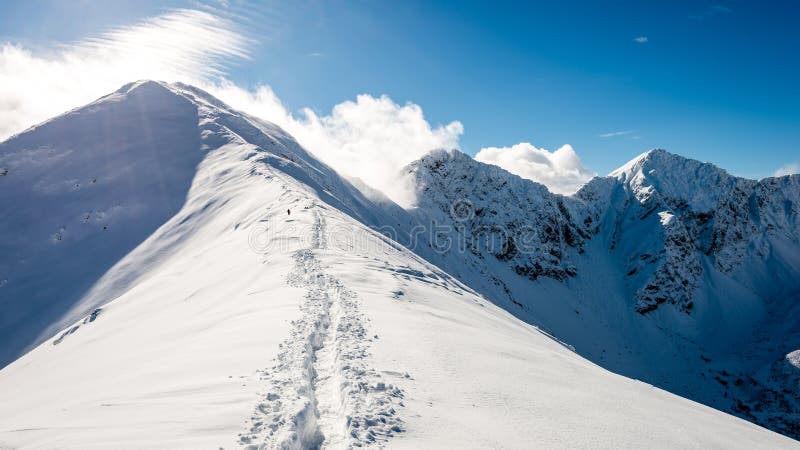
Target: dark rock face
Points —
{"points": [[668, 214], [497, 214]]}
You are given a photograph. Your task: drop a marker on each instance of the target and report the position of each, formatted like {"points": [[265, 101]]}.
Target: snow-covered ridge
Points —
{"points": [[105, 177], [220, 300], [211, 177], [687, 210], [81, 191]]}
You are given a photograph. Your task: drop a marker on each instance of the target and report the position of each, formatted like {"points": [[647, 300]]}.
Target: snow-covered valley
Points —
{"points": [[175, 273]]}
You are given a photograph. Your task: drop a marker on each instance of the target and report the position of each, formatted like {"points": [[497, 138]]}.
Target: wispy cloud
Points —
{"points": [[181, 45], [712, 10], [615, 134], [641, 39], [788, 169], [370, 138]]}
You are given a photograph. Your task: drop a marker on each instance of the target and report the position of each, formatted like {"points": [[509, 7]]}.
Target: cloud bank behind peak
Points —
{"points": [[561, 170]]}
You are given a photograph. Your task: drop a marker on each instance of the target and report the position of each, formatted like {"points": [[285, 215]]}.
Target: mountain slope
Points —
{"points": [[271, 310], [731, 248], [669, 270], [86, 188], [704, 211], [79, 193]]}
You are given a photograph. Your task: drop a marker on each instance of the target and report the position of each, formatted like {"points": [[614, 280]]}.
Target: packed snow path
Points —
{"points": [[320, 392]]}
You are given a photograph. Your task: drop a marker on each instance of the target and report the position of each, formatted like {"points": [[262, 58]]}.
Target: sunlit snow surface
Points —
{"points": [[258, 303]]}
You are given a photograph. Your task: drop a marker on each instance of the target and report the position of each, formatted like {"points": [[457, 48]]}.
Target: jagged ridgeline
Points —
{"points": [[667, 216]]}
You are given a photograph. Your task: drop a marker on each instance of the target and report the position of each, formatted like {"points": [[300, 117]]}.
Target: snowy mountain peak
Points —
{"points": [[109, 175], [496, 215], [441, 155], [456, 169], [675, 177], [151, 90], [637, 163], [144, 85], [152, 94]]}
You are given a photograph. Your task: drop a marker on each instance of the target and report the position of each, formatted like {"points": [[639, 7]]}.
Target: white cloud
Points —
{"points": [[641, 39], [370, 138], [788, 169], [615, 134], [561, 171]]}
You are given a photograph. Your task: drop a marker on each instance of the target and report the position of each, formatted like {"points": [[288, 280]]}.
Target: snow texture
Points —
{"points": [[181, 275]]}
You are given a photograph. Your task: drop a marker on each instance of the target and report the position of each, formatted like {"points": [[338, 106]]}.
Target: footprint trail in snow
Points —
{"points": [[320, 393]]}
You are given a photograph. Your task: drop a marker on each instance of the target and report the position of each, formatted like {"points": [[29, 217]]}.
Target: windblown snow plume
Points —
{"points": [[370, 138], [561, 171], [182, 45]]}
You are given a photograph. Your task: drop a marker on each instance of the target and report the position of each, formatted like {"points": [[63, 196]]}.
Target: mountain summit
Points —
{"points": [[181, 274]]}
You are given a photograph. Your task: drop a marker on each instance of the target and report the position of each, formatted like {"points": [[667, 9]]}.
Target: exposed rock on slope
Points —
{"points": [[673, 257], [492, 213]]}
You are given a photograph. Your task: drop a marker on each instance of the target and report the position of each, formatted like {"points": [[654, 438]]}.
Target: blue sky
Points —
{"points": [[712, 81]]}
